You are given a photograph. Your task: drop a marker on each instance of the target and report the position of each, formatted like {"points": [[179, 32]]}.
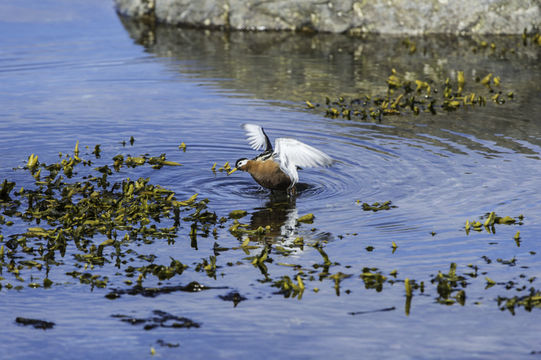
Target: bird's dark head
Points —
{"points": [[241, 163]]}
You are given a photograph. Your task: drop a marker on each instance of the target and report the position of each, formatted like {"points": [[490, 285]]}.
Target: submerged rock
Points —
{"points": [[380, 16]]}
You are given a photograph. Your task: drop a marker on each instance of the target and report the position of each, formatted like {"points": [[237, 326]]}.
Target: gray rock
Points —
{"points": [[338, 16]]}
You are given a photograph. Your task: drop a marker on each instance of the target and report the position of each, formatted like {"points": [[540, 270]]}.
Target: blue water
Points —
{"points": [[74, 71]]}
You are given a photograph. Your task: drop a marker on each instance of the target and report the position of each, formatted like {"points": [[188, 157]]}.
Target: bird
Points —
{"points": [[276, 168]]}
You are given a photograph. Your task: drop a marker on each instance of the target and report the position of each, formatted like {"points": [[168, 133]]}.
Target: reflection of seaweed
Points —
{"points": [[528, 302], [6, 188], [372, 311], [233, 296], [449, 287], [166, 344], [373, 279], [289, 288], [36, 323], [155, 291], [160, 319]]}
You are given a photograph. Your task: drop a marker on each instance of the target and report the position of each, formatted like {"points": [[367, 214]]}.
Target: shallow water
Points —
{"points": [[75, 71]]}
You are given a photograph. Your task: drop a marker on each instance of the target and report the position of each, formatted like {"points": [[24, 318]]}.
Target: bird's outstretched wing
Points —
{"points": [[292, 154], [257, 137]]}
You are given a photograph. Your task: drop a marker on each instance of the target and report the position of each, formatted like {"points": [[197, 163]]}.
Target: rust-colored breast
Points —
{"points": [[268, 174]]}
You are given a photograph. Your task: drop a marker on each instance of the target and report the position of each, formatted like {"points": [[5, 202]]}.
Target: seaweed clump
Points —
{"points": [[406, 96], [93, 214]]}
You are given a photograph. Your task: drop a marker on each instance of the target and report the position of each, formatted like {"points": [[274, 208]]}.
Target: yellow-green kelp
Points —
{"points": [[406, 96], [86, 217]]}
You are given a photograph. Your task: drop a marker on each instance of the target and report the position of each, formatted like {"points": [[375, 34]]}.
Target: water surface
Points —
{"points": [[75, 71]]}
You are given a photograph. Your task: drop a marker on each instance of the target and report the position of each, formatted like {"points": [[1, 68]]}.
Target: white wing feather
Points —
{"points": [[292, 153], [255, 135]]}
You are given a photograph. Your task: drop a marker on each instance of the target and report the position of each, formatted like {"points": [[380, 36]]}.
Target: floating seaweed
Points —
{"points": [[387, 205], [308, 218], [93, 216], [491, 219], [237, 214], [405, 96], [64, 213]]}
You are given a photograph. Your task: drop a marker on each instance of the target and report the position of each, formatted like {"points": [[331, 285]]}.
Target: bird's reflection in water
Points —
{"points": [[279, 217]]}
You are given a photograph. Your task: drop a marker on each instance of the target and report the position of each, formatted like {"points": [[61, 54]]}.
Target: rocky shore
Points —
{"points": [[412, 17]]}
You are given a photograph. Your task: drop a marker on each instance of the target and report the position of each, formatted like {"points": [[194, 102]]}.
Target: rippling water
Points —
{"points": [[71, 71]]}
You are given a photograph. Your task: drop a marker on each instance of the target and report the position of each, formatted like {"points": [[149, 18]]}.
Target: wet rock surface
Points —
{"points": [[390, 17]]}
